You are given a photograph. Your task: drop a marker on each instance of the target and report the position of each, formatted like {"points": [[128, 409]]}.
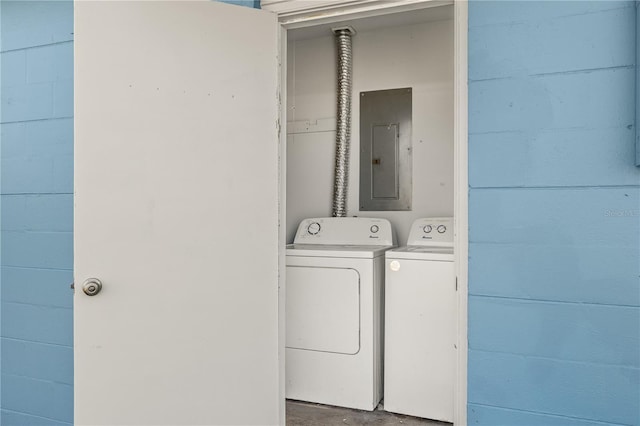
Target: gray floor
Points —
{"points": [[308, 414]]}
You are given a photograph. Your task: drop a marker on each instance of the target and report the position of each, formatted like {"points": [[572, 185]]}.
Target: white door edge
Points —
{"points": [[363, 9], [461, 201], [282, 232]]}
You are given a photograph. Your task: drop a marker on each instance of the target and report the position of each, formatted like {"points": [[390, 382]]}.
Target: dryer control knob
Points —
{"points": [[441, 229], [374, 228], [313, 228], [427, 229], [394, 265]]}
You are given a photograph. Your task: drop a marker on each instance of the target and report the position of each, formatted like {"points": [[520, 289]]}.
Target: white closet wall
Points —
{"points": [[418, 56]]}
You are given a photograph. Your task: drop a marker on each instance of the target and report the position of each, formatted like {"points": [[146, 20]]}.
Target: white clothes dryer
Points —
{"points": [[420, 323], [334, 295]]}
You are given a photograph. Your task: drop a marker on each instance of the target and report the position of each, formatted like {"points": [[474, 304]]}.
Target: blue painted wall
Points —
{"points": [[36, 211], [554, 214], [554, 306]]}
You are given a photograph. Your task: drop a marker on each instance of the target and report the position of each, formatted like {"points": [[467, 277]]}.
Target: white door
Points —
{"points": [[176, 213]]}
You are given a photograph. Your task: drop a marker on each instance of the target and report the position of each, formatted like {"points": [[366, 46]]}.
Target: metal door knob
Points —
{"points": [[92, 286]]}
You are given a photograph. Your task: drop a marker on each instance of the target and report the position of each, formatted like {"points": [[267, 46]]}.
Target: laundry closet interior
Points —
{"points": [[400, 58]]}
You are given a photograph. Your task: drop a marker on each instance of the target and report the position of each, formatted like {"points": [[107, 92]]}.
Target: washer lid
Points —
{"points": [[336, 250], [444, 254]]}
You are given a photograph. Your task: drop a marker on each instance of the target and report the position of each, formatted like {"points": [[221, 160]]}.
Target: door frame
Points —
{"points": [[333, 11]]}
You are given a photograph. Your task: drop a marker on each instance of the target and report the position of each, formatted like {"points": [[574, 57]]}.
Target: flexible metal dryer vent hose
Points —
{"points": [[343, 127]]}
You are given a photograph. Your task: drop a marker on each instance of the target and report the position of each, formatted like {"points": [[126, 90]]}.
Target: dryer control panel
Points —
{"points": [[431, 231], [353, 231]]}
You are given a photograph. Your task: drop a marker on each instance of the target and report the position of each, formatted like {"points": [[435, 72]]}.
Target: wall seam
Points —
{"points": [[563, 360], [37, 46], [36, 416], [549, 414], [549, 301]]}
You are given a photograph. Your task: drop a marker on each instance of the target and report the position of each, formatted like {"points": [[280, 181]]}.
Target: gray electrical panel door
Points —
{"points": [[385, 150]]}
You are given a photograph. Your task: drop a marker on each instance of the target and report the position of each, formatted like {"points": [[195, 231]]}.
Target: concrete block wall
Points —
{"points": [[36, 212], [554, 222], [554, 305]]}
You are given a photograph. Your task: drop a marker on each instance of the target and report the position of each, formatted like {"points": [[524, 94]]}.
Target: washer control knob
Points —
{"points": [[441, 229], [427, 229], [313, 228], [374, 228]]}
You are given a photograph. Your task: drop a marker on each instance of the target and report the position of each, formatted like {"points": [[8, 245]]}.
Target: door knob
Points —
{"points": [[92, 286]]}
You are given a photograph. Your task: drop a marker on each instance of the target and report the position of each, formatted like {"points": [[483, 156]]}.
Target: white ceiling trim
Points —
{"points": [[300, 13]]}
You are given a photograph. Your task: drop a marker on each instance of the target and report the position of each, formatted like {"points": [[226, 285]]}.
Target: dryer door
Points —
{"points": [[323, 309]]}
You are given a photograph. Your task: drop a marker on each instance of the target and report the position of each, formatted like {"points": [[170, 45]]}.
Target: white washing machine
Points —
{"points": [[334, 319], [420, 323]]}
